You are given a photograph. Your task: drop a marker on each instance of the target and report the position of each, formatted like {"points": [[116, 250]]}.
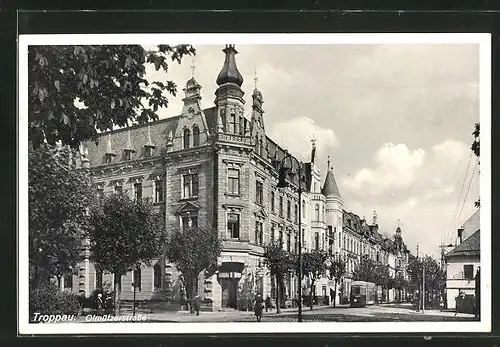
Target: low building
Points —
{"points": [[463, 261]]}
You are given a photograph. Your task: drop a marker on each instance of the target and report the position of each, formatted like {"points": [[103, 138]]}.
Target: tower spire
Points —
{"points": [[328, 164], [255, 78], [193, 67]]}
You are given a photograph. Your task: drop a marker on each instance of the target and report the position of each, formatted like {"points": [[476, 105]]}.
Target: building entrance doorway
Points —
{"points": [[229, 292]]}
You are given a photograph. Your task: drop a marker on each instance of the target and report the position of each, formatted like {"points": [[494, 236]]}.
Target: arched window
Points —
{"points": [[196, 136], [187, 135], [316, 210], [303, 208]]}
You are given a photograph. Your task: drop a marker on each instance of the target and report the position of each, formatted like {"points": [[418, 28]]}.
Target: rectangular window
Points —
{"points": [[281, 206], [272, 202], [289, 210], [98, 279], [258, 233], [316, 241], [189, 222], [259, 192], [185, 222], [469, 272], [137, 191], [288, 242], [281, 238], [233, 181], [233, 225], [118, 189], [190, 185], [68, 281], [159, 190], [128, 155], [272, 233], [295, 214]]}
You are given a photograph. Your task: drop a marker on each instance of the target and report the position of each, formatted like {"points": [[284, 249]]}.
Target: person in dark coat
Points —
{"points": [[268, 303], [258, 307], [196, 304]]}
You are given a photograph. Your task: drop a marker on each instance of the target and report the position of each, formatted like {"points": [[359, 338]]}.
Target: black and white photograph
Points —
{"points": [[232, 183]]}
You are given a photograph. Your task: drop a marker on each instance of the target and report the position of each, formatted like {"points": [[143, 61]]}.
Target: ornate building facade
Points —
{"points": [[216, 168]]}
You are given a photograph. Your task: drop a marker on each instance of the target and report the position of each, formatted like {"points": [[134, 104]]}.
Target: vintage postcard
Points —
{"points": [[267, 183]]}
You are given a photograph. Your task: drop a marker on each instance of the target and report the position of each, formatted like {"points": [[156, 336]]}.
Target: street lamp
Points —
{"points": [[283, 172]]}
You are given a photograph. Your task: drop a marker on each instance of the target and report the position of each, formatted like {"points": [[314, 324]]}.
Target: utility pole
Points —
{"points": [[423, 285]]}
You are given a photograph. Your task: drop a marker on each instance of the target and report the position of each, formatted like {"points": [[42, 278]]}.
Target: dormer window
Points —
{"points": [[127, 153], [187, 136], [170, 138], [108, 158], [196, 136]]}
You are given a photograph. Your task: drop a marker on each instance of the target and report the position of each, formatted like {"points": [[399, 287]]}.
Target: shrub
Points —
{"points": [[47, 299]]}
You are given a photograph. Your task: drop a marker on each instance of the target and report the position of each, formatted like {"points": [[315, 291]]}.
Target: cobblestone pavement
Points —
{"points": [[385, 313]]}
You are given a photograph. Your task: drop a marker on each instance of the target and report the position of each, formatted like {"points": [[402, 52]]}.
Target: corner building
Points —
{"points": [[215, 168]]}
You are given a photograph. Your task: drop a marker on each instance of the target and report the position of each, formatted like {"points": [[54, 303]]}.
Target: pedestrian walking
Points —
{"points": [[100, 304], [258, 307], [268, 303], [196, 304]]}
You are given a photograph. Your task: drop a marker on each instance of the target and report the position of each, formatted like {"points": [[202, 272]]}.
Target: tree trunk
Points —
{"points": [[117, 288], [278, 304], [335, 296], [194, 282]]}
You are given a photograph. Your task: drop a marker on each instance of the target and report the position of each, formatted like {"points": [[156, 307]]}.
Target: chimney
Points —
{"points": [[460, 234]]}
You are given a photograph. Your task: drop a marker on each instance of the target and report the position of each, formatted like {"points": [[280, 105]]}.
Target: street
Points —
{"points": [[377, 313]]}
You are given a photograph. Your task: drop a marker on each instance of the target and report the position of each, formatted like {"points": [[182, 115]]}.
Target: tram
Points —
{"points": [[362, 293]]}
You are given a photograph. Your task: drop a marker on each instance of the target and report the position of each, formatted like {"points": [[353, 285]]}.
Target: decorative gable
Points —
{"points": [[187, 208], [260, 213]]}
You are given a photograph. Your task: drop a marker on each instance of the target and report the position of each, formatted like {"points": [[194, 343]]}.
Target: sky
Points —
{"points": [[395, 119]]}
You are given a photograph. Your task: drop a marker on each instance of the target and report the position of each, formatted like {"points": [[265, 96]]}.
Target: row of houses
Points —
{"points": [[216, 168]]}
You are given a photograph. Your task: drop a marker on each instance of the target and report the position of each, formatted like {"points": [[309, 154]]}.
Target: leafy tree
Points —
{"points": [[193, 250], [279, 262], [435, 278], [313, 267], [475, 150], [124, 234], [58, 201], [336, 271], [77, 91], [400, 283], [365, 270]]}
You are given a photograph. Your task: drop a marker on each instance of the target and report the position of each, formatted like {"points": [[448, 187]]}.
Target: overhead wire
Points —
{"points": [[454, 216]]}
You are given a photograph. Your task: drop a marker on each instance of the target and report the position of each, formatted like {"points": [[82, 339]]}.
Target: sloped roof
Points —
{"points": [[469, 245], [471, 225], [330, 188]]}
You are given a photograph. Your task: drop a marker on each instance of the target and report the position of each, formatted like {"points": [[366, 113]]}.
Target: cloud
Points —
{"points": [[295, 134], [452, 150], [395, 167]]}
